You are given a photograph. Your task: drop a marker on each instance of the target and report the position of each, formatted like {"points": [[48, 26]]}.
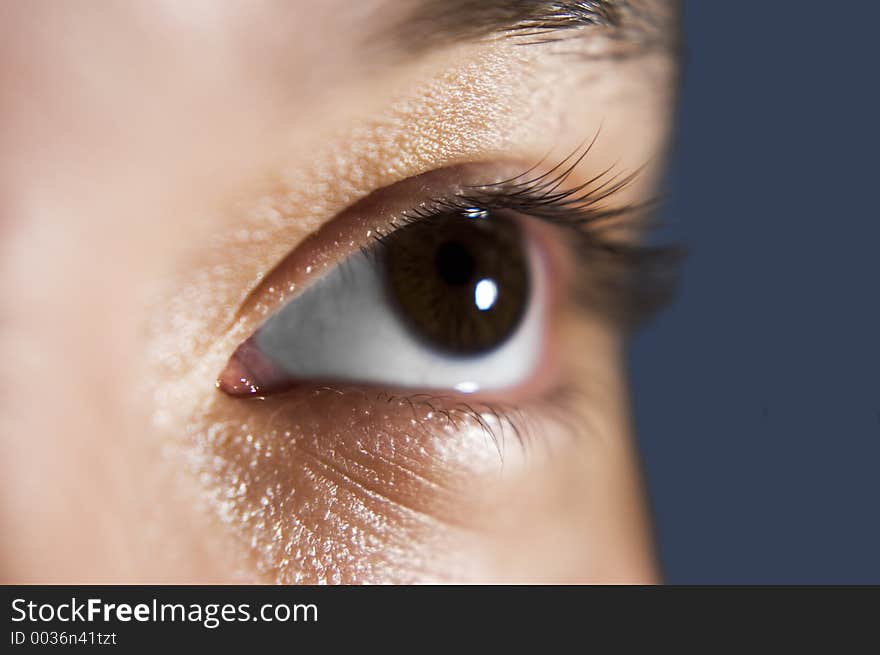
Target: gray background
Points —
{"points": [[757, 397]]}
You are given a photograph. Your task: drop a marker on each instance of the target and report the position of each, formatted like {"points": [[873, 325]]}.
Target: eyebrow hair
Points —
{"points": [[435, 23]]}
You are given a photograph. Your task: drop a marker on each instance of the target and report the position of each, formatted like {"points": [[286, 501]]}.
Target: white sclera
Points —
{"points": [[343, 328]]}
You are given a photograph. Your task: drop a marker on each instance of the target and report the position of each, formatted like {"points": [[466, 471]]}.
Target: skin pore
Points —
{"points": [[173, 175]]}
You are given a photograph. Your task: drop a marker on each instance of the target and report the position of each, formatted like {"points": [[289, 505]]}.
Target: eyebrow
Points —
{"points": [[430, 24]]}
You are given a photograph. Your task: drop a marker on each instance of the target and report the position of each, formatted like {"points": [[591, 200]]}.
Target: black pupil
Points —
{"points": [[454, 262]]}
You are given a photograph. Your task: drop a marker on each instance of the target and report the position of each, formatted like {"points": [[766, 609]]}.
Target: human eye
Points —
{"points": [[455, 292], [451, 297]]}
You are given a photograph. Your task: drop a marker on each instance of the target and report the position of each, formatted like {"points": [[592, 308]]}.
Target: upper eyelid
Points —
{"points": [[494, 185]]}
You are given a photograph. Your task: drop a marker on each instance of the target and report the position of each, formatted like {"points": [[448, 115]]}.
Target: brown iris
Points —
{"points": [[459, 279]]}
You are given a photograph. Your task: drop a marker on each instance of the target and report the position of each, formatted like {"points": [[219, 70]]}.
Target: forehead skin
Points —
{"points": [[158, 160]]}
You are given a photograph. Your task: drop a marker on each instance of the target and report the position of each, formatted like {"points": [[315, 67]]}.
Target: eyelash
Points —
{"points": [[627, 281]]}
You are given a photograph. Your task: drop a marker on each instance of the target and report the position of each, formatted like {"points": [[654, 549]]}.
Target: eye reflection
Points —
{"points": [[443, 302], [485, 294]]}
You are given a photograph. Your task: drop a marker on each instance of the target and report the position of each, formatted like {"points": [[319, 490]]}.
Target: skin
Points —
{"points": [[162, 167]]}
